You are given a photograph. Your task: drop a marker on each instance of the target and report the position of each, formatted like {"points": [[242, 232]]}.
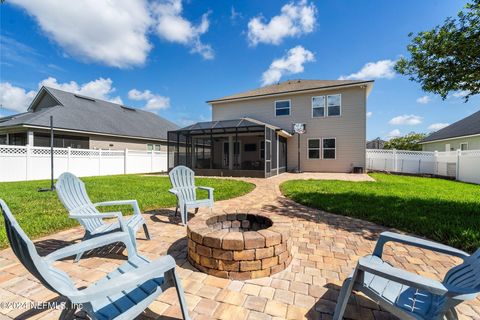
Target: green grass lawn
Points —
{"points": [[41, 213], [442, 210]]}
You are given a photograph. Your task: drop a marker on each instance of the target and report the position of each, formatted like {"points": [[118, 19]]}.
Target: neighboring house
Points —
{"points": [[251, 133], [84, 122], [377, 143], [461, 135]]}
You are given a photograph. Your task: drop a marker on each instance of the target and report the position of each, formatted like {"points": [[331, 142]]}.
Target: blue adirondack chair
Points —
{"points": [[183, 183], [123, 294], [408, 295], [73, 195]]}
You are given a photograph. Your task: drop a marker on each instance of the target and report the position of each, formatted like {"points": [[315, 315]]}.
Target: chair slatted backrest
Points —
{"points": [[73, 195], [466, 275], [52, 278], [183, 180]]}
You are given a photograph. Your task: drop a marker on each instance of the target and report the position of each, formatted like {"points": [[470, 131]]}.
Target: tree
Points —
{"points": [[447, 58], [407, 142]]}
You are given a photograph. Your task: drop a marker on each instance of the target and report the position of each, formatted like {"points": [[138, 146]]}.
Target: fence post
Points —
{"points": [[99, 162], [151, 161], [394, 160], [457, 171], [125, 161], [435, 157], [69, 152], [27, 163]]}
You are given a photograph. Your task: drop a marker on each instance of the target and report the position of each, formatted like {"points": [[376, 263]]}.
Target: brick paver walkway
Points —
{"points": [[325, 250]]}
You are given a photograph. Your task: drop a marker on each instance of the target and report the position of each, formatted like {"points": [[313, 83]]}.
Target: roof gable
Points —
{"points": [[43, 99]]}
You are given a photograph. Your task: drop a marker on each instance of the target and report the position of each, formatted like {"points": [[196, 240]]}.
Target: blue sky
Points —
{"points": [[171, 56]]}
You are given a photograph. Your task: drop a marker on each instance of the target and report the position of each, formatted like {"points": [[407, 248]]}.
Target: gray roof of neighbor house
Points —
{"points": [[79, 113], [291, 86], [466, 127]]}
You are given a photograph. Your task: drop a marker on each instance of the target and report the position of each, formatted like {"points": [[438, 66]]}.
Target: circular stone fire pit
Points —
{"points": [[238, 246]]}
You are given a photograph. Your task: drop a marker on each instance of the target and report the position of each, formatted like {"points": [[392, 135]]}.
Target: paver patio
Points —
{"points": [[325, 250]]}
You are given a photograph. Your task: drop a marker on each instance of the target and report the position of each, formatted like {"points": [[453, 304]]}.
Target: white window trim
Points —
{"points": [[289, 108], [319, 148], [463, 143], [326, 105], [335, 158]]}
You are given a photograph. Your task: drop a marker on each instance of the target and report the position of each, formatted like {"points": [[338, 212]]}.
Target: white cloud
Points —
{"points": [[109, 32], [369, 114], [394, 133], [100, 88], [154, 101], [424, 100], [171, 26], [18, 99], [373, 70], [410, 120], [15, 98], [295, 19], [437, 126], [291, 63], [461, 94]]}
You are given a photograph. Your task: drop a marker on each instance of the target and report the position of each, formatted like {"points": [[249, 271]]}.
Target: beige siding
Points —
{"points": [[473, 144], [116, 143], [349, 129]]}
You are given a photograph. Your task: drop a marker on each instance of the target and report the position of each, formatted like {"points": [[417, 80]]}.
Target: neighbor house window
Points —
{"points": [[17, 139], [153, 147], [318, 107], [313, 148], [3, 139], [282, 108], [463, 146], [334, 105], [60, 141], [329, 148]]}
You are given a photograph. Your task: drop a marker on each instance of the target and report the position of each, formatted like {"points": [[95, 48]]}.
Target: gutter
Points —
{"points": [[86, 132]]}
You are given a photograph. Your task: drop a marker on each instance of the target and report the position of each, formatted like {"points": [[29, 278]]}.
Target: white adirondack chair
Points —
{"points": [[122, 294], [73, 195], [183, 183]]}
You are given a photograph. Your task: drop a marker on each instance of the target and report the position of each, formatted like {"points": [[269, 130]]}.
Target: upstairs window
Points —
{"points": [[329, 148], [334, 105], [318, 107], [282, 108]]}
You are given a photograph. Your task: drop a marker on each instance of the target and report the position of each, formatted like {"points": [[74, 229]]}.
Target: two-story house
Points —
{"points": [[251, 133]]}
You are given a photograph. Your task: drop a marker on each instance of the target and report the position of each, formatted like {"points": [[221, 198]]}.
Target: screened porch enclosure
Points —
{"points": [[239, 148]]}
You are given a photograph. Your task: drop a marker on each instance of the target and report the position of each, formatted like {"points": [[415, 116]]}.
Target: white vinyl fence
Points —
{"points": [[19, 163], [461, 165]]}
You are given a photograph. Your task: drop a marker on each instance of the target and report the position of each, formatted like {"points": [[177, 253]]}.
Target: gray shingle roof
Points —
{"points": [[234, 123], [97, 116], [289, 86], [465, 127]]}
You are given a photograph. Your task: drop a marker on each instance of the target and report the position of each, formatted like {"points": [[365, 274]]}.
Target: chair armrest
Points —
{"points": [[133, 203], [401, 276], [210, 191], [174, 191], [117, 215], [417, 242], [90, 244], [127, 280]]}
